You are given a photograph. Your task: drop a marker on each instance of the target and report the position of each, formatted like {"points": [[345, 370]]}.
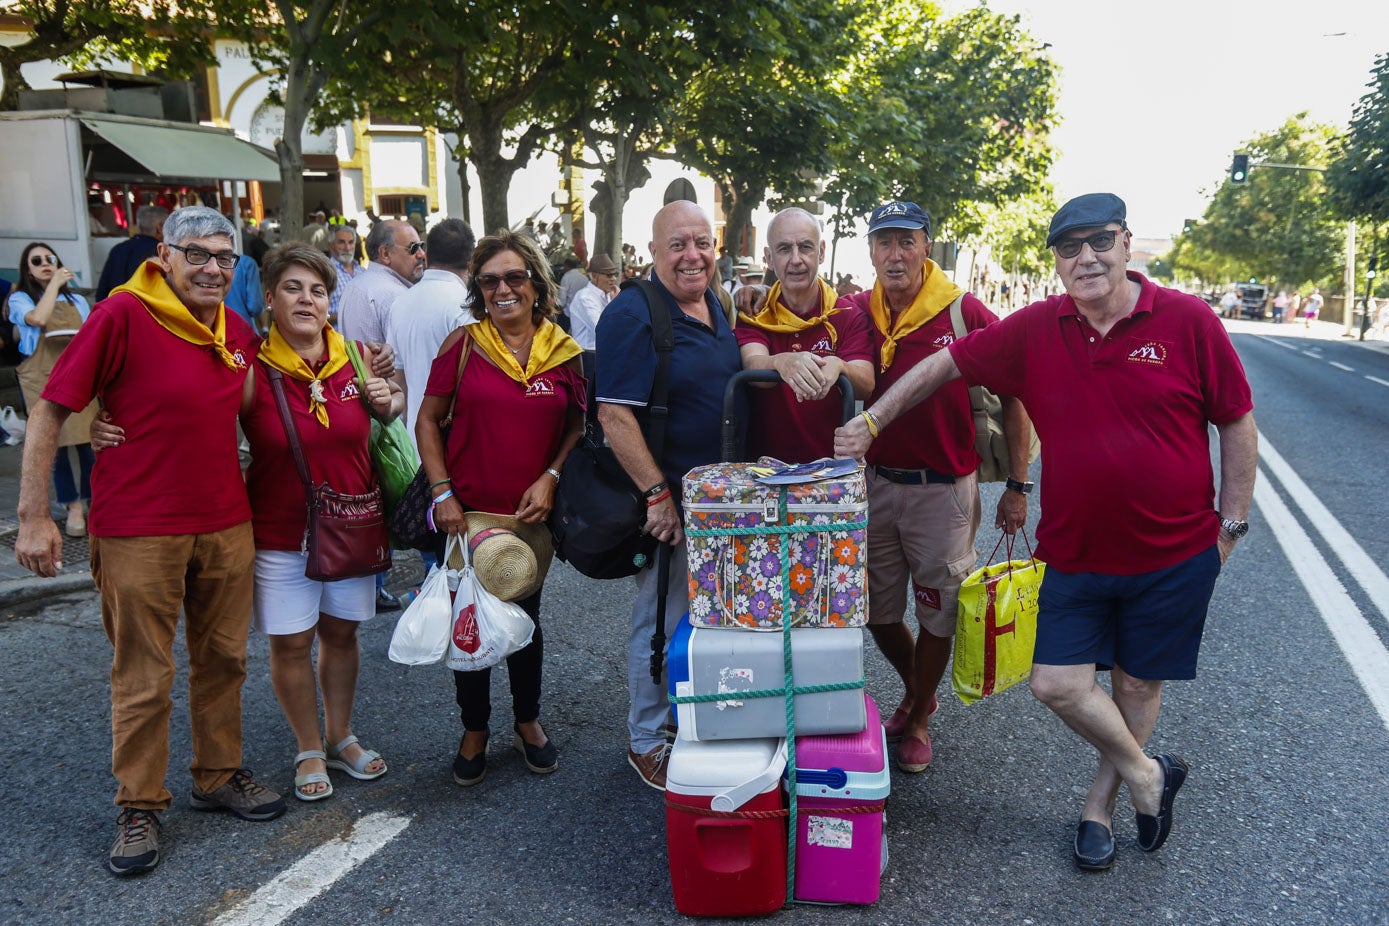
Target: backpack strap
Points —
{"points": [[663, 339]]}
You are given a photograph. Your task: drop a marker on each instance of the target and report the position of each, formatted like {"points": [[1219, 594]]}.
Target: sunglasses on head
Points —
{"points": [[1099, 243], [38, 260], [488, 282]]}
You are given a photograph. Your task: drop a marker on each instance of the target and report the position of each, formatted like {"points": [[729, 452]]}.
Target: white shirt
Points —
{"points": [[365, 309], [573, 281], [584, 311], [420, 320]]}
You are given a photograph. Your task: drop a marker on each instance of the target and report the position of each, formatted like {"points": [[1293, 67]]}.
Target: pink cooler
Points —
{"points": [[734, 863], [840, 855]]}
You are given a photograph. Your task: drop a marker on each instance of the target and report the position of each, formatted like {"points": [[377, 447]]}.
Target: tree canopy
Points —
{"points": [[1359, 177]]}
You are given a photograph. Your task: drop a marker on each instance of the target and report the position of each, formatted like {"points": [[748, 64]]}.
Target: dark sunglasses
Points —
{"points": [[488, 282], [197, 257], [1099, 243], [38, 260], [414, 247]]}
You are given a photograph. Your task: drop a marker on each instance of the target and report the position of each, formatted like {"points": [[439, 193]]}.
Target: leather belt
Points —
{"points": [[914, 477]]}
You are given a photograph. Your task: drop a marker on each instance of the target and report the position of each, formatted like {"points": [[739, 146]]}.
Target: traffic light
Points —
{"points": [[1239, 169], [1373, 269], [1188, 225]]}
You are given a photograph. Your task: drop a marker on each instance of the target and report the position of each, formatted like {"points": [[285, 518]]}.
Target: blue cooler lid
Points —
{"points": [[678, 658]]}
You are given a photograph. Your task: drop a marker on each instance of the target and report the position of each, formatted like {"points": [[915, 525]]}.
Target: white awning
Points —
{"points": [[191, 153]]}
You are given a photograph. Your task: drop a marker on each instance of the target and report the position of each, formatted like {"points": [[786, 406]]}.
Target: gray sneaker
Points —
{"points": [[241, 796], [136, 849]]}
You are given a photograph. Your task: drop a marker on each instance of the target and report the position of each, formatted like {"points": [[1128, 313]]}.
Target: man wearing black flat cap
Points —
{"points": [[1121, 379]]}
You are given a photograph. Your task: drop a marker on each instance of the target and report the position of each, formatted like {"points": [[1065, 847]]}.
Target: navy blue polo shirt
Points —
{"points": [[700, 365]]}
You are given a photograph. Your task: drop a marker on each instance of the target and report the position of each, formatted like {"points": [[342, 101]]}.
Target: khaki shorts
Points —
{"points": [[922, 535]]}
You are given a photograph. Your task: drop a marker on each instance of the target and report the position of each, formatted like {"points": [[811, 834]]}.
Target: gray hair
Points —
{"points": [[336, 229], [382, 235], [192, 222], [149, 218]]}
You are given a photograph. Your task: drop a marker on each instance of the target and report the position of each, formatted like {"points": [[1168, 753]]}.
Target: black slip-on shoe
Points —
{"points": [[542, 760], [1094, 847], [1154, 830]]}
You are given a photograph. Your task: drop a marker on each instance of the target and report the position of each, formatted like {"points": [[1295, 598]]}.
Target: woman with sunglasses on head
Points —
{"points": [[47, 314], [519, 411]]}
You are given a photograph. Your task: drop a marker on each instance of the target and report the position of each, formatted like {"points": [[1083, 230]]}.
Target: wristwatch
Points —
{"points": [[1235, 529], [1023, 487]]}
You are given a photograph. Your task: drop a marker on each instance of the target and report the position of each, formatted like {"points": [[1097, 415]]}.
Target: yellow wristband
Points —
{"points": [[873, 427]]}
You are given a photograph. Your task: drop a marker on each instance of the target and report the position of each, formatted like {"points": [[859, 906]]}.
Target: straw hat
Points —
{"points": [[511, 557]]}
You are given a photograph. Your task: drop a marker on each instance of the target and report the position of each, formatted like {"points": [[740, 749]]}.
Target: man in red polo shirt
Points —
{"points": [[1121, 378], [809, 336], [170, 520], [923, 497]]}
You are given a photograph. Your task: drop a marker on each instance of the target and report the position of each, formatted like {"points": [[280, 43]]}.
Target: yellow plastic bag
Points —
{"points": [[997, 626]]}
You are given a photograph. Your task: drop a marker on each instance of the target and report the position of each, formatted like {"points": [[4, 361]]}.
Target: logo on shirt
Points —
{"points": [[1154, 352], [350, 391], [541, 387], [944, 341], [239, 359], [822, 345]]}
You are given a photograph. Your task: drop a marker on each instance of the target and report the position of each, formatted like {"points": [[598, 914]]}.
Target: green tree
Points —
{"points": [[82, 31], [947, 112], [1279, 225], [1359, 176]]}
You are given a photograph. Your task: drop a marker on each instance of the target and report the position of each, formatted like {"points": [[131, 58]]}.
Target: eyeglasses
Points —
{"points": [[414, 247], [38, 260], [198, 256], [1099, 243], [488, 282]]}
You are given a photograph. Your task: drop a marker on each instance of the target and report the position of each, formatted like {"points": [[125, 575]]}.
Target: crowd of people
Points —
{"points": [[466, 339]]}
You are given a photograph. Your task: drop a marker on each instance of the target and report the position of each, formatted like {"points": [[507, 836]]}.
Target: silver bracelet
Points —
{"points": [[553, 472]]}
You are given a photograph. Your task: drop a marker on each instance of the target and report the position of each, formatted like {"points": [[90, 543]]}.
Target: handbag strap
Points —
{"points": [[360, 368], [291, 431], [458, 379]]}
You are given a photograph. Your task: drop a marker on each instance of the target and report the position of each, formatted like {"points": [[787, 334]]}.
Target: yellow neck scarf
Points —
{"points": [[277, 353], [778, 319], [549, 349], [149, 286], [935, 296]]}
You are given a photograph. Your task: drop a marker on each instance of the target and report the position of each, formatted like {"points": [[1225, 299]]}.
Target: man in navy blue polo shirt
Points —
{"points": [[705, 356]]}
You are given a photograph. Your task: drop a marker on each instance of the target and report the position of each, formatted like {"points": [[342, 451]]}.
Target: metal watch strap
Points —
{"points": [[1236, 529]]}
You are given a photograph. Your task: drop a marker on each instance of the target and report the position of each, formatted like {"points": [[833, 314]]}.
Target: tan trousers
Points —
{"points": [[144, 581]]}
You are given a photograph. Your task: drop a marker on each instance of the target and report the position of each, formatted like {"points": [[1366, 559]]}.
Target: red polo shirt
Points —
{"points": [[336, 454], [938, 433], [504, 434], [1127, 485], [178, 471], [798, 432]]}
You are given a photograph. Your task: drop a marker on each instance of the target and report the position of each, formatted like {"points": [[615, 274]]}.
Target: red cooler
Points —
{"points": [[726, 865]]}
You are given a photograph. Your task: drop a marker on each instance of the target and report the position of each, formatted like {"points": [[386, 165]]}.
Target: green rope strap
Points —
{"points": [[789, 689], [764, 693]]}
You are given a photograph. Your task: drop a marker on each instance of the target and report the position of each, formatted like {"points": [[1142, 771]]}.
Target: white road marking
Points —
{"points": [[1376, 379], [1279, 341], [1312, 353], [313, 874], [1342, 366], [1368, 658], [1362, 567]]}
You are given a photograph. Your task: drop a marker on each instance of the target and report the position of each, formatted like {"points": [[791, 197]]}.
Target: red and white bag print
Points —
{"points": [[486, 629]]}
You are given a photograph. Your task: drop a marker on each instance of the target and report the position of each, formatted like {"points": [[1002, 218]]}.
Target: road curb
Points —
{"points": [[16, 592]]}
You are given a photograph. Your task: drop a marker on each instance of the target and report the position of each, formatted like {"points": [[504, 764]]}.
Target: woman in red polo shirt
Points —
{"points": [[325, 402], [518, 414]]}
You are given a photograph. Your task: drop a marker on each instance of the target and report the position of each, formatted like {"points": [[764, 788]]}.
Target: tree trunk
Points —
{"points": [[13, 82], [601, 207], [494, 174], [738, 203], [465, 188], [290, 148]]}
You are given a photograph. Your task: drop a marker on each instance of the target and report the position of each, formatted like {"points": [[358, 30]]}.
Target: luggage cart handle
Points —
{"points": [[728, 436]]}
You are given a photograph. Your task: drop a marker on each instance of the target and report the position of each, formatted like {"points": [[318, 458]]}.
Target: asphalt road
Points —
{"points": [[1282, 821]]}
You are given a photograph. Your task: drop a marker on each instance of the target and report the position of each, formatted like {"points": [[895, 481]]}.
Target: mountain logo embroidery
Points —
{"points": [[541, 387], [895, 208], [239, 359], [822, 345], [944, 341], [1154, 352], [930, 597], [350, 391]]}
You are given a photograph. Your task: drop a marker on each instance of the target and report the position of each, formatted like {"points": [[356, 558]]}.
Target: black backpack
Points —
{"points": [[599, 512]]}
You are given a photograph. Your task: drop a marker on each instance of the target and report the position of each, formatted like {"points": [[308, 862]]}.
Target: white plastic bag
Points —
{"points": [[421, 635], [12, 423], [486, 629]]}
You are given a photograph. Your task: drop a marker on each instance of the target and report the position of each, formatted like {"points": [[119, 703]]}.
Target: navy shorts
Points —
{"points": [[1149, 624]]}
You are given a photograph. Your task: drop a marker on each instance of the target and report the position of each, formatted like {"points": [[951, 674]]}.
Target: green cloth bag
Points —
{"points": [[393, 454]]}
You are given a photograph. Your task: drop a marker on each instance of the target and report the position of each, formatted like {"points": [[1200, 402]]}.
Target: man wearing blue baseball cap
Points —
{"points": [[922, 492], [1122, 379]]}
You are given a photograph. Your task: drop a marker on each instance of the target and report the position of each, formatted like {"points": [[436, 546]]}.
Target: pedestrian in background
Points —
{"points": [[126, 257]]}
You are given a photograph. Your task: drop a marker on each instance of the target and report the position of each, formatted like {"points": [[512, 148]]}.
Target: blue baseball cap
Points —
{"points": [[898, 214], [1091, 210]]}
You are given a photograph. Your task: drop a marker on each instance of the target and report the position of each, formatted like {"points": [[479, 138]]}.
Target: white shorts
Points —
{"points": [[289, 602]]}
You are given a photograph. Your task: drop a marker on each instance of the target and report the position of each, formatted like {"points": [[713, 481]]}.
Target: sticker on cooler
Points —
{"points": [[830, 832], [733, 681]]}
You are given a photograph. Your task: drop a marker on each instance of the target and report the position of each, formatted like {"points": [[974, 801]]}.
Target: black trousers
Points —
{"points": [[523, 667]]}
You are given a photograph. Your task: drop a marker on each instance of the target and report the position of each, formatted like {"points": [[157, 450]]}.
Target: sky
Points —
{"points": [[1156, 97]]}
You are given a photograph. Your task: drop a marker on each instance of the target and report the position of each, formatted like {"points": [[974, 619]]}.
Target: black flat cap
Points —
{"points": [[1091, 210]]}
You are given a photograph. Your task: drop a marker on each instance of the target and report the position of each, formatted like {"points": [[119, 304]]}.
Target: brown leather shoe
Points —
{"points": [[651, 766]]}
